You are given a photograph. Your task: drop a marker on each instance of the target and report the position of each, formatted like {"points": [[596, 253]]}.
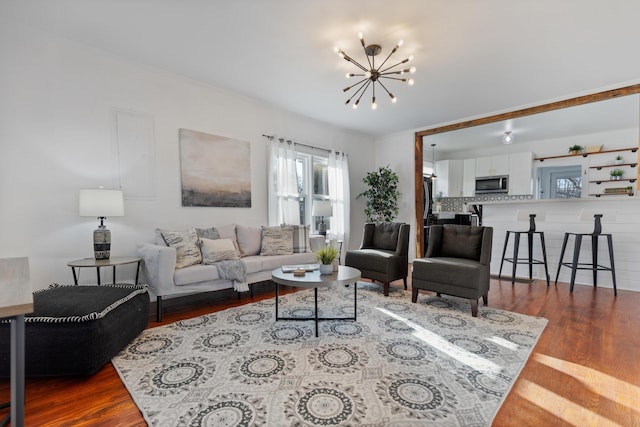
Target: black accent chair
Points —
{"points": [[457, 263], [384, 253]]}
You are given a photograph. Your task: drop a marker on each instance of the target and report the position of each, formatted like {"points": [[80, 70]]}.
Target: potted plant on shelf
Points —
{"points": [[616, 174], [325, 256], [575, 149], [382, 195], [618, 160]]}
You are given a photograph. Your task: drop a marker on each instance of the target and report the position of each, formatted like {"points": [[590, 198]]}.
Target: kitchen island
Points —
{"points": [[621, 218]]}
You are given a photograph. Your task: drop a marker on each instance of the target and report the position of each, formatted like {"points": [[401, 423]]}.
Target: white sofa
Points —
{"points": [[165, 280]]}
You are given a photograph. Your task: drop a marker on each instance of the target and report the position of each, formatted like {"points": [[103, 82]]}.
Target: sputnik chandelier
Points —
{"points": [[374, 74]]}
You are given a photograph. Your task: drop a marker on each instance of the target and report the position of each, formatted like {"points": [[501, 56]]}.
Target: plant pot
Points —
{"points": [[575, 152], [326, 268], [616, 178]]}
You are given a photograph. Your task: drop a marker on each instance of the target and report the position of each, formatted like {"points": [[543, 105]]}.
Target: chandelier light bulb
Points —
{"points": [[349, 75], [394, 99], [400, 43], [410, 82], [355, 104], [360, 36], [412, 70], [368, 74], [374, 105]]}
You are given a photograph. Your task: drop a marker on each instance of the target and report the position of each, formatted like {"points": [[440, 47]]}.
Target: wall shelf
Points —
{"points": [[632, 149], [613, 180], [633, 165], [630, 193]]}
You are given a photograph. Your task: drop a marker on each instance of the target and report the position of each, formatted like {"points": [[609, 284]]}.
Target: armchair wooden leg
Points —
{"points": [[405, 283], [485, 299], [385, 288], [414, 295], [474, 307]]}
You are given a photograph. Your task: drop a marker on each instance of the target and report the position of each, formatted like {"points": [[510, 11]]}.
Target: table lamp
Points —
{"points": [[101, 203], [322, 208]]}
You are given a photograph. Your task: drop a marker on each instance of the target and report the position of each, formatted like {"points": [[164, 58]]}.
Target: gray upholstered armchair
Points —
{"points": [[383, 254], [456, 263]]}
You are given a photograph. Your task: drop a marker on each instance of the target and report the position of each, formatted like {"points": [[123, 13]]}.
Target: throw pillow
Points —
{"points": [[214, 250], [460, 243], [186, 246], [249, 240], [301, 243], [277, 241], [207, 233], [229, 232]]}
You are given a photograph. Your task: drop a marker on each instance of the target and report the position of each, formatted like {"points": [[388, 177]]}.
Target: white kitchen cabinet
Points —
{"points": [[469, 178], [449, 181], [492, 165], [520, 172]]}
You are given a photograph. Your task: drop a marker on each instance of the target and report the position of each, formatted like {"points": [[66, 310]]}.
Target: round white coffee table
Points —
{"points": [[313, 279]]}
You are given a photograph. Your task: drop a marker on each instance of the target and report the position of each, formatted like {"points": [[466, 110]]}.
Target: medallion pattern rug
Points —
{"points": [[400, 363]]}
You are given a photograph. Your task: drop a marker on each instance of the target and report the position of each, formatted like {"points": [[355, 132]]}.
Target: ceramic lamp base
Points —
{"points": [[102, 242]]}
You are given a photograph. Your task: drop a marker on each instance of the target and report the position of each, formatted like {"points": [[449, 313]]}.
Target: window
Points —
{"points": [[560, 182], [313, 185]]}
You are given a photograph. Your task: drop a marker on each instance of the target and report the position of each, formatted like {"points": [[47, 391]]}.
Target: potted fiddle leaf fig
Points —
{"points": [[382, 195]]}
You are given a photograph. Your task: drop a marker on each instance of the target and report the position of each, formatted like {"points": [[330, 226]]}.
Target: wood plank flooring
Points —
{"points": [[584, 371]]}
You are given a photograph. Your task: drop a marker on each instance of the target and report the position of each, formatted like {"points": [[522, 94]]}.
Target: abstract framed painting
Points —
{"points": [[215, 171]]}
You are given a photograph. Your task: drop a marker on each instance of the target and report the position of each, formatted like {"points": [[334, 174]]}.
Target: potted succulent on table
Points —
{"points": [[575, 149], [616, 174], [325, 256]]}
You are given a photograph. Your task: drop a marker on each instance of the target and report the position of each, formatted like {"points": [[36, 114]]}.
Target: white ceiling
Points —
{"points": [[473, 57]]}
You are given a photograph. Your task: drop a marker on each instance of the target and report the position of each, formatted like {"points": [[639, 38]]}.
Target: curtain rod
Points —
{"points": [[288, 141]]}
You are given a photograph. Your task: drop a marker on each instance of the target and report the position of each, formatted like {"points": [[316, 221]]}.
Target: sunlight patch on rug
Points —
{"points": [[399, 363]]}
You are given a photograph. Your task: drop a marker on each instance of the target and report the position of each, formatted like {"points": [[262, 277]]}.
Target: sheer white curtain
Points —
{"points": [[283, 184], [340, 195]]}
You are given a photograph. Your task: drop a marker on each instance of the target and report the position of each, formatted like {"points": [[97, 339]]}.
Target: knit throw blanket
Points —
{"points": [[235, 271]]}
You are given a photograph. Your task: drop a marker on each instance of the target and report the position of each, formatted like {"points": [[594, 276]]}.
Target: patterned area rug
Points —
{"points": [[429, 363]]}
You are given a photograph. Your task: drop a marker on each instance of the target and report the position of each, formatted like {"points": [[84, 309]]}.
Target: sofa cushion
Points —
{"points": [[195, 274], [214, 250], [277, 240], [301, 241], [272, 262], [249, 240], [385, 236], [208, 233], [186, 245], [461, 242]]}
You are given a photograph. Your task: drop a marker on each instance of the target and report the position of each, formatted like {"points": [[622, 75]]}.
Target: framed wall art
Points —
{"points": [[215, 170]]}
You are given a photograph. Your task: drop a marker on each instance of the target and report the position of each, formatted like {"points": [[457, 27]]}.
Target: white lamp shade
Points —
{"points": [[101, 203], [322, 208]]}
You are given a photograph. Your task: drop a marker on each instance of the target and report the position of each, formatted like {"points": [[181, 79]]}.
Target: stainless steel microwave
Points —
{"points": [[492, 184]]}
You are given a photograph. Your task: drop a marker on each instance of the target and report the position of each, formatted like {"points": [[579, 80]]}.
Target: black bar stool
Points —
{"points": [[574, 265], [516, 246]]}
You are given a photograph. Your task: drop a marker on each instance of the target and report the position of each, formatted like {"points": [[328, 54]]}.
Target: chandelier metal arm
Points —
{"points": [[354, 85], [386, 90], [404, 61], [363, 85], [364, 89], [354, 62], [389, 56]]}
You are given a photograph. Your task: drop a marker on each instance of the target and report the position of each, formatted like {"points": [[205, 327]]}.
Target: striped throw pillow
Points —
{"points": [[301, 243]]}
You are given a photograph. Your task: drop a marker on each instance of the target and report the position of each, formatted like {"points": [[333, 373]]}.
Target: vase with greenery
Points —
{"points": [[575, 149], [616, 174], [382, 195], [326, 256]]}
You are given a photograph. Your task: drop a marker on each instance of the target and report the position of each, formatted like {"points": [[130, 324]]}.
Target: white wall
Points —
{"points": [[55, 139], [396, 151]]}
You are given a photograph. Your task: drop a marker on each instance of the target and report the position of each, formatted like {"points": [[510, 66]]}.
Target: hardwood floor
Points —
{"points": [[584, 371]]}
